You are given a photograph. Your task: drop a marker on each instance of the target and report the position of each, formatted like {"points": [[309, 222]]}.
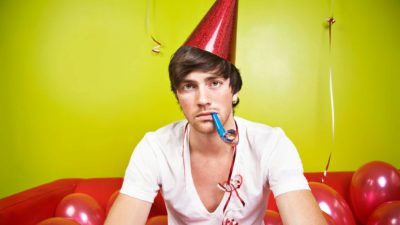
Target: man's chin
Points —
{"points": [[205, 127]]}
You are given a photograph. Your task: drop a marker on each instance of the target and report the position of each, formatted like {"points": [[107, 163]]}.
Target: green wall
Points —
{"points": [[79, 85]]}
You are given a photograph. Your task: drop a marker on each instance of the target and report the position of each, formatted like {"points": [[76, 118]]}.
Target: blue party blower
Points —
{"points": [[229, 136]]}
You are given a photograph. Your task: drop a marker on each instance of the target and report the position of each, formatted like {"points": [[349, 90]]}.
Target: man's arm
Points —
{"points": [[127, 210], [300, 208]]}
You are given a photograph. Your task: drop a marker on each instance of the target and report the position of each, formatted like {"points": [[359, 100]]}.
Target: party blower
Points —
{"points": [[228, 136]]}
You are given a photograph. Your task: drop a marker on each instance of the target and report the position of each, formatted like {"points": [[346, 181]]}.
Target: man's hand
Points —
{"points": [[127, 210], [300, 208]]}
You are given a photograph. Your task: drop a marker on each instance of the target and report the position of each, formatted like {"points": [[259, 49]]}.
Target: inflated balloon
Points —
{"points": [[371, 185], [272, 218], [386, 213], [111, 200], [158, 220], [82, 208], [328, 219], [58, 221], [332, 203]]}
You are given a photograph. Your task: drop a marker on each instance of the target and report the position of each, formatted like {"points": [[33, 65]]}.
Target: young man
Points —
{"points": [[203, 179]]}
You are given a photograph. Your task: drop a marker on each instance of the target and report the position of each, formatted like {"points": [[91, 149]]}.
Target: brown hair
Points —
{"points": [[188, 59]]}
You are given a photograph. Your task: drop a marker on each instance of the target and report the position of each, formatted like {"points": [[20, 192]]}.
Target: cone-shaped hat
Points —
{"points": [[216, 33]]}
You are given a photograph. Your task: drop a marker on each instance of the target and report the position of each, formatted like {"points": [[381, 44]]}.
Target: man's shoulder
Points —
{"points": [[170, 132], [172, 127], [251, 125], [257, 129]]}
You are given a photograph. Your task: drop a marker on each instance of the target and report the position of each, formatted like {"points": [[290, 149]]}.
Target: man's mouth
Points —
{"points": [[204, 116]]}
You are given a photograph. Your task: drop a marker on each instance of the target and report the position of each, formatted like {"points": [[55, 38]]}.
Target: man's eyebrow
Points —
{"points": [[187, 81], [211, 77], [214, 77]]}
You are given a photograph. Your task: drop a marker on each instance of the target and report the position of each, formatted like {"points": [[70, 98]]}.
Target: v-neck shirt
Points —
{"points": [[266, 160]]}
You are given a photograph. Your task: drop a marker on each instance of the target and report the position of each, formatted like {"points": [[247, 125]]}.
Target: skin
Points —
{"points": [[198, 95]]}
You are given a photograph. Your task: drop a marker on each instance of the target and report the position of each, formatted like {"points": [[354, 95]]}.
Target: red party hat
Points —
{"points": [[216, 33]]}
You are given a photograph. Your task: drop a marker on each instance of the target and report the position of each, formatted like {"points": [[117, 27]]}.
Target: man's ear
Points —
{"points": [[235, 97]]}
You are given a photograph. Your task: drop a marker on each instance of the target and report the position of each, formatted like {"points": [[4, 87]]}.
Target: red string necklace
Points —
{"points": [[232, 184]]}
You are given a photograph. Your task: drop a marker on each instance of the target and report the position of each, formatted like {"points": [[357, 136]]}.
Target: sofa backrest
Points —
{"points": [[33, 205], [102, 188]]}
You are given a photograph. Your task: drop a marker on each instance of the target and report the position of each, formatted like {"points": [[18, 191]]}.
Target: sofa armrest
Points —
{"points": [[34, 205]]}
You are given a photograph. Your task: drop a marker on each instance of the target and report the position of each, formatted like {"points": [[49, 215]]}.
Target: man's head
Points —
{"points": [[189, 59]]}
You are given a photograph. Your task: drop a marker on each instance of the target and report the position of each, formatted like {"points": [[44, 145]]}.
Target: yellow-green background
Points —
{"points": [[79, 85]]}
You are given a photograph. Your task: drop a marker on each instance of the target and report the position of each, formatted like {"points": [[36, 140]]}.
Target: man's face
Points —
{"points": [[200, 94]]}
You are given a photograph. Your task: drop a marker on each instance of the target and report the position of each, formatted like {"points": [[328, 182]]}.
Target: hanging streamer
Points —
{"points": [[326, 168], [330, 21], [149, 31]]}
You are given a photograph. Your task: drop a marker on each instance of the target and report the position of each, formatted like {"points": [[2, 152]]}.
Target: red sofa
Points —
{"points": [[34, 205]]}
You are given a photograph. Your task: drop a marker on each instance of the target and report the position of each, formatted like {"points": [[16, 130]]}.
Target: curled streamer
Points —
{"points": [[158, 45], [156, 49]]}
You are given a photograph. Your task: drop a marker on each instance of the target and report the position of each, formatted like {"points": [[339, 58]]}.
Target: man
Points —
{"points": [[204, 179]]}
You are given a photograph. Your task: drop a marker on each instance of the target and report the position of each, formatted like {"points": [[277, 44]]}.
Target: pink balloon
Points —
{"points": [[332, 203], [371, 185], [272, 218], [58, 221], [158, 220], [111, 200], [386, 213], [82, 208]]}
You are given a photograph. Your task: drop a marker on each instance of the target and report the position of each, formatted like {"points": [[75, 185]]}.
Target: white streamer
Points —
{"points": [[332, 103]]}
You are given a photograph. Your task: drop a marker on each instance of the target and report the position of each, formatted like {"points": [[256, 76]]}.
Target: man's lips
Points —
{"points": [[204, 116]]}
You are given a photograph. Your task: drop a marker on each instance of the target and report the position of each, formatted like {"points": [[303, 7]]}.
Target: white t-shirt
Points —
{"points": [[266, 160]]}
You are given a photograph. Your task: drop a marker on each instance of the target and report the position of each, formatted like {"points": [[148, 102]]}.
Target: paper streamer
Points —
{"points": [[156, 49], [326, 168], [330, 21], [149, 31]]}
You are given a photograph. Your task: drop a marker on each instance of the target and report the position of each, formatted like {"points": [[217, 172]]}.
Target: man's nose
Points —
{"points": [[203, 96]]}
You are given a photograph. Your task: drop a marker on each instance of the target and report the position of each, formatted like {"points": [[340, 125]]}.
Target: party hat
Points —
{"points": [[216, 33]]}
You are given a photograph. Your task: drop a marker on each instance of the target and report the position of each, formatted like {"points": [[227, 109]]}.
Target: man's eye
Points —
{"points": [[216, 83], [187, 87]]}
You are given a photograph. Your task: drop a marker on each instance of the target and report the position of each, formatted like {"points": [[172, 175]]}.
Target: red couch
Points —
{"points": [[34, 205]]}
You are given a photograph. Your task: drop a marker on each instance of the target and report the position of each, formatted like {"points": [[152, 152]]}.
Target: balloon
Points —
{"points": [[58, 221], [158, 220], [111, 200], [82, 208], [328, 219], [386, 213], [272, 218], [332, 203], [371, 185]]}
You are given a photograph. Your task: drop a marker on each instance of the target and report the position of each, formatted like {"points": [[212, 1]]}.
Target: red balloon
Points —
{"points": [[371, 185], [328, 219], [111, 200], [272, 218], [158, 220], [82, 208], [332, 203], [386, 213], [58, 221]]}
